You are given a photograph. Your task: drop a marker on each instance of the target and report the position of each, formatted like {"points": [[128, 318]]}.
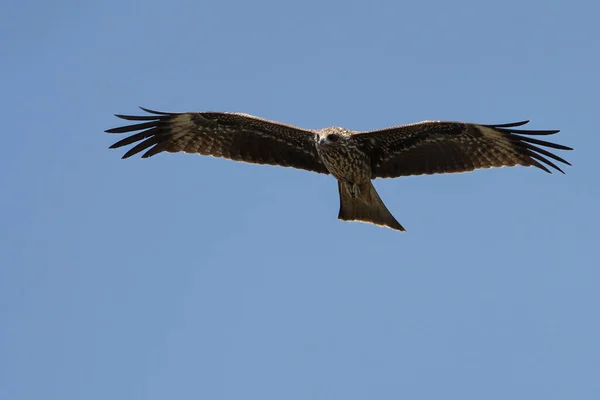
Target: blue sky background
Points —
{"points": [[191, 277]]}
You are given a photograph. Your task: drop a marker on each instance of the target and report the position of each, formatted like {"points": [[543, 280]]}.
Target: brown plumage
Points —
{"points": [[353, 158]]}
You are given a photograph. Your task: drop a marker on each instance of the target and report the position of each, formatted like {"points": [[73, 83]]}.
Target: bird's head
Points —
{"points": [[332, 136]]}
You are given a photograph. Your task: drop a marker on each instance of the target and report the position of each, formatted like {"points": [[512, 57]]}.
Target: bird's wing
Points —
{"points": [[433, 147], [239, 137]]}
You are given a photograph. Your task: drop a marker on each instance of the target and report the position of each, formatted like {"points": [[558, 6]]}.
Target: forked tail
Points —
{"points": [[366, 206]]}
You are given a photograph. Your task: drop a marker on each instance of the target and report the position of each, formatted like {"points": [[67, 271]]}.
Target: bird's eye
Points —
{"points": [[332, 137]]}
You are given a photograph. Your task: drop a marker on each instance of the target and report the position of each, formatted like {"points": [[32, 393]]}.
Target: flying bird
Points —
{"points": [[353, 158]]}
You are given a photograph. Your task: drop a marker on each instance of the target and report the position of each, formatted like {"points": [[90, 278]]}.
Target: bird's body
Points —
{"points": [[353, 158], [341, 155]]}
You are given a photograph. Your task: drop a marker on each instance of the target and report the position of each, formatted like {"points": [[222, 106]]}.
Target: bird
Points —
{"points": [[353, 158]]}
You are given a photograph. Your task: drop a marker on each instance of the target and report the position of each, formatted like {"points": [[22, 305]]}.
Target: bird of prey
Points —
{"points": [[353, 158]]}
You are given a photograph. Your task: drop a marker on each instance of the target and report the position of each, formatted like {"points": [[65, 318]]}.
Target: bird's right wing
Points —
{"points": [[235, 136]]}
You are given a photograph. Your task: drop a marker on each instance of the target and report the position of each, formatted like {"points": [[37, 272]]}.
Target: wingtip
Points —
{"points": [[154, 111], [520, 123], [509, 124]]}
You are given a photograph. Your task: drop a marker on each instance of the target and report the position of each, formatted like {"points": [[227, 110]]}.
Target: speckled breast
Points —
{"points": [[346, 163]]}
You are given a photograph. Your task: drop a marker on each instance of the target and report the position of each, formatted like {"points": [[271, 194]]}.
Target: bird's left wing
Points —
{"points": [[235, 136], [433, 147]]}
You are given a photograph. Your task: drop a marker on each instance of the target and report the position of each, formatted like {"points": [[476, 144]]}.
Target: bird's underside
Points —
{"points": [[353, 158]]}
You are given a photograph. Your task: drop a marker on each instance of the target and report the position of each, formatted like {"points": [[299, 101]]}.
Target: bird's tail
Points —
{"points": [[366, 206]]}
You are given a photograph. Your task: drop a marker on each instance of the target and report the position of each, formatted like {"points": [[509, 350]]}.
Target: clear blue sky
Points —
{"points": [[187, 277]]}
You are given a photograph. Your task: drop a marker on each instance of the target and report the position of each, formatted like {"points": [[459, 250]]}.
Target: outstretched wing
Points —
{"points": [[433, 147], [239, 137]]}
